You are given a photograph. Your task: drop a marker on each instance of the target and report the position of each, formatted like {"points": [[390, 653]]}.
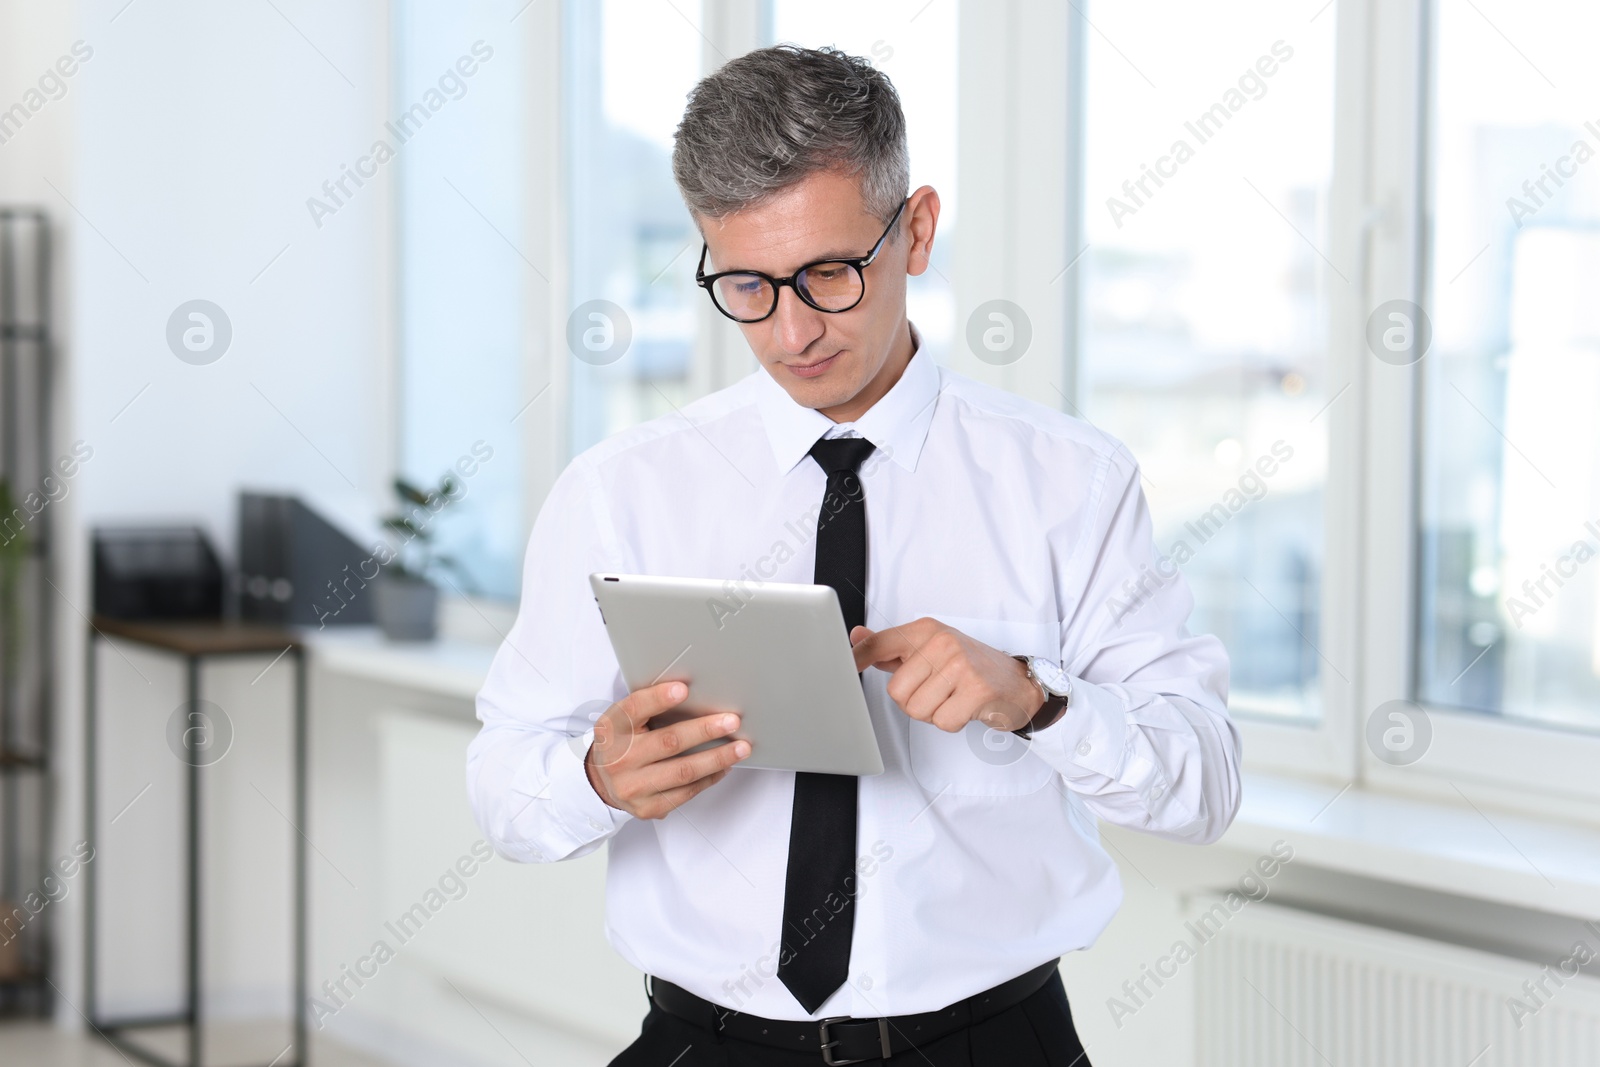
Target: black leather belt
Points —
{"points": [[843, 1039]]}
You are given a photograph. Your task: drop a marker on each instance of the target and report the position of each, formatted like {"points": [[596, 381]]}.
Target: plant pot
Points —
{"points": [[407, 608]]}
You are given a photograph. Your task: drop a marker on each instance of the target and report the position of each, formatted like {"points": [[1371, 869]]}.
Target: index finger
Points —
{"points": [[642, 705], [884, 647]]}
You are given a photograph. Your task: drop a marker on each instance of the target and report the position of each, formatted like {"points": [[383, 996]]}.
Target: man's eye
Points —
{"points": [[746, 288], [826, 274]]}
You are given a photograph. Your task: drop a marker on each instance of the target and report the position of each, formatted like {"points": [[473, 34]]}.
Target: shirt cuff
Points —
{"points": [[576, 806], [1090, 737]]}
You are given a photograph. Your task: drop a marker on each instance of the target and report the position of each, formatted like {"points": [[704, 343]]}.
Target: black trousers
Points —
{"points": [[1035, 1033]]}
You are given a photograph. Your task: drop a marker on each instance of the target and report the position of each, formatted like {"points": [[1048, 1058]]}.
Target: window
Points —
{"points": [[1510, 472], [1355, 532], [1203, 334], [460, 278], [914, 43], [632, 245]]}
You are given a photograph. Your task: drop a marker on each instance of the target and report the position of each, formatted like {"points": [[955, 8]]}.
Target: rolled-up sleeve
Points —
{"points": [[551, 678], [1146, 741]]}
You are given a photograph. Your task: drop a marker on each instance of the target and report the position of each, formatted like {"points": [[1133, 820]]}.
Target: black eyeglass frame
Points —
{"points": [[860, 264]]}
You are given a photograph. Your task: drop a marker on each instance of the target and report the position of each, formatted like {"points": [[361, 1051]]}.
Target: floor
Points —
{"points": [[44, 1045]]}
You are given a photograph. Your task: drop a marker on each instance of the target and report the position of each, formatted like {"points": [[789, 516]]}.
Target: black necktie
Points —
{"points": [[819, 891]]}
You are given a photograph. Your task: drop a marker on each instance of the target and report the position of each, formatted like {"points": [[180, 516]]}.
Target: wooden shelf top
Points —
{"points": [[202, 637], [13, 759]]}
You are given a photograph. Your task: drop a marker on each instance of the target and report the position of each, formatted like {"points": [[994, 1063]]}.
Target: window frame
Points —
{"points": [[1325, 748], [1380, 210], [1021, 183], [1328, 747], [1545, 765], [728, 27]]}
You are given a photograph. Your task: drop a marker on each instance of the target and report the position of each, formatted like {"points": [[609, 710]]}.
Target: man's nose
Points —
{"points": [[795, 324]]}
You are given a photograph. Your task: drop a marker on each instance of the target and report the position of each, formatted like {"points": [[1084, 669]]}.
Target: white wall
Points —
{"points": [[202, 131], [34, 36], [521, 944], [177, 166]]}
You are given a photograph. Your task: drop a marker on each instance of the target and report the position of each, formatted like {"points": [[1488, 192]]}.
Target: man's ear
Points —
{"points": [[920, 220]]}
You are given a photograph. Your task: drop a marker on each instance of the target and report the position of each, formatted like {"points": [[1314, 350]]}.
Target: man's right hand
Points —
{"points": [[643, 771]]}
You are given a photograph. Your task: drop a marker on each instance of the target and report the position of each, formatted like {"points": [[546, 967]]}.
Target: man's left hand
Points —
{"points": [[942, 676]]}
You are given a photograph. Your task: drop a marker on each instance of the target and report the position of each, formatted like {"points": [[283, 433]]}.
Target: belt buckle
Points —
{"points": [[827, 1046]]}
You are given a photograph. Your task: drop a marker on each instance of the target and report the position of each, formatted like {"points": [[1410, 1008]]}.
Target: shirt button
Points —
{"points": [[596, 824], [865, 981], [1083, 748], [1157, 791]]}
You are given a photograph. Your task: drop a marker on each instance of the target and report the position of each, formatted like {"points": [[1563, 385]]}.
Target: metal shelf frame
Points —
{"points": [[26, 610]]}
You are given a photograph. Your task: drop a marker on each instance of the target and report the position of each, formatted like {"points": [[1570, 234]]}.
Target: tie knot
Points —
{"points": [[836, 455]]}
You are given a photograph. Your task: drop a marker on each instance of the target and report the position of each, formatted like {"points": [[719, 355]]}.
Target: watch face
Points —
{"points": [[1052, 677]]}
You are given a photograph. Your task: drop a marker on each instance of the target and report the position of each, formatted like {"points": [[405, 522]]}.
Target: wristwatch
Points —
{"points": [[1057, 686]]}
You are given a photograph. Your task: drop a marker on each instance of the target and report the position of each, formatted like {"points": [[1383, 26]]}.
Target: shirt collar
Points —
{"points": [[897, 424]]}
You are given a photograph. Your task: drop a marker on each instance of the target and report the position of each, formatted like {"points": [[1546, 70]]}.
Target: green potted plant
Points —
{"points": [[406, 601]]}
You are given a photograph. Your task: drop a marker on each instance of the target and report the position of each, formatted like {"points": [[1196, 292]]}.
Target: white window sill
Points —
{"points": [[447, 667], [1432, 844]]}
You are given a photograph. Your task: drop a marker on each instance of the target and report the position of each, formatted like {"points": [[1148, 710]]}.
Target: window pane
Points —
{"points": [[633, 245], [1208, 160], [914, 43], [460, 304], [1511, 456]]}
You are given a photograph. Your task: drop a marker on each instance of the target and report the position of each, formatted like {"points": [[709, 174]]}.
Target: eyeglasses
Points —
{"points": [[830, 285]]}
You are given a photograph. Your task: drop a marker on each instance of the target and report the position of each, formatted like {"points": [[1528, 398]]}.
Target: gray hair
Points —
{"points": [[772, 117]]}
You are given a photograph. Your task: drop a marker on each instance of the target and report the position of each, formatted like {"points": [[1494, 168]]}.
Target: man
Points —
{"points": [[980, 545]]}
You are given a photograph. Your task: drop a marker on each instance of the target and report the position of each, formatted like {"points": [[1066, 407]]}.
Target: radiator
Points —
{"points": [[1279, 987]]}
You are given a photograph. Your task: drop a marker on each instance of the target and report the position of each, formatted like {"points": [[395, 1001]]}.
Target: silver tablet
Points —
{"points": [[776, 653]]}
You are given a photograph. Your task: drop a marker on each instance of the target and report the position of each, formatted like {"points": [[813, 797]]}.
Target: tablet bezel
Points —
{"points": [[775, 652]]}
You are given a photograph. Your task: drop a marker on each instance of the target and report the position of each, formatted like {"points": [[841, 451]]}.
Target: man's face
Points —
{"points": [[823, 360]]}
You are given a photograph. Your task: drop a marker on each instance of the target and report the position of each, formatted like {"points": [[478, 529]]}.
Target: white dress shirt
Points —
{"points": [[979, 852]]}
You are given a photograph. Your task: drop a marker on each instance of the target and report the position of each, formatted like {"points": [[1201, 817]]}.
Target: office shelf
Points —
{"points": [[22, 761], [27, 604]]}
